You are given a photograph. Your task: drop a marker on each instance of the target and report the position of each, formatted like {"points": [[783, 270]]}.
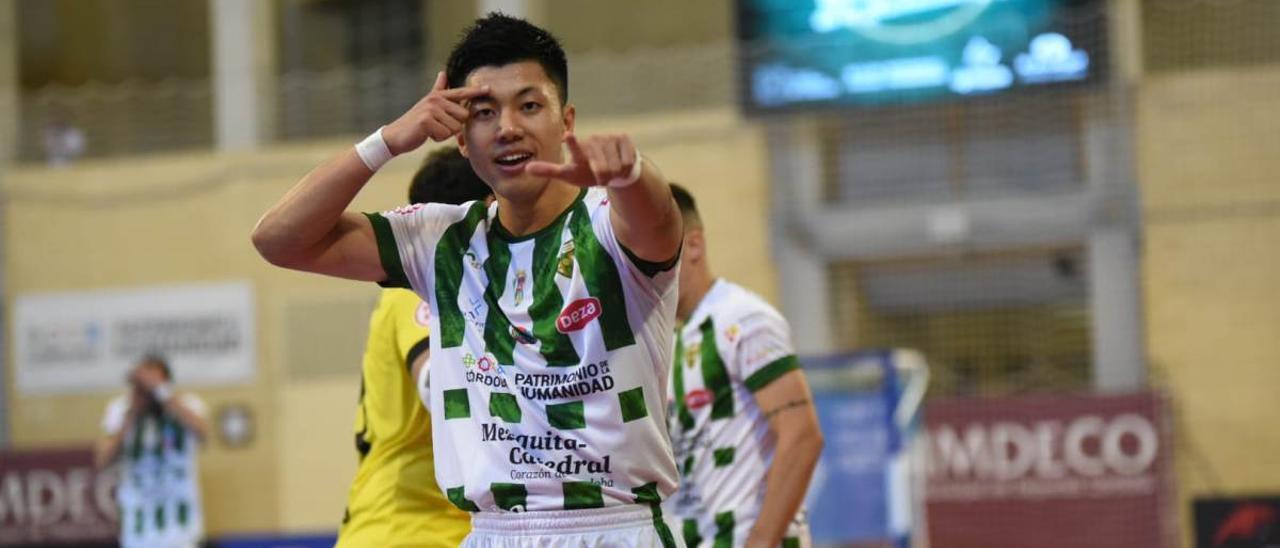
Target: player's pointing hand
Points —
{"points": [[438, 116], [594, 161]]}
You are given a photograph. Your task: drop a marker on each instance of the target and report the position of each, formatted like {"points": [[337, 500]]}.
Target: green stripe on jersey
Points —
{"points": [[648, 494], [601, 277], [162, 424], [722, 456], [771, 372], [135, 449], [388, 254], [791, 542], [460, 500], [682, 409], [547, 304], [504, 406], [457, 405], [632, 404], [179, 436], [714, 376], [509, 496], [691, 536], [567, 416], [579, 495], [449, 264], [724, 530], [497, 327]]}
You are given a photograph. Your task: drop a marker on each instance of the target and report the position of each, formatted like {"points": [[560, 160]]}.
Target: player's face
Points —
{"points": [[519, 121]]}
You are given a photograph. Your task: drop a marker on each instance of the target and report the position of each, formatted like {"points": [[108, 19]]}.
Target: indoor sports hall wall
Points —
{"points": [[186, 218], [1195, 82], [1211, 271]]}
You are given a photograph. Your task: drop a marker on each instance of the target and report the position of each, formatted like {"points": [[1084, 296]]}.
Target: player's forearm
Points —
{"points": [[794, 459], [650, 215], [291, 231], [106, 450]]}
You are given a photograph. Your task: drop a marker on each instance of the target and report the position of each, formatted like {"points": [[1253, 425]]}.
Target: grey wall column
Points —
{"points": [[244, 79], [1115, 303], [1114, 243], [1114, 253], [9, 88], [9, 84], [795, 172]]}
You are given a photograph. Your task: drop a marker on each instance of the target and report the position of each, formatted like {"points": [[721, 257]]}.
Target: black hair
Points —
{"points": [[498, 40], [688, 206], [160, 362], [446, 177]]}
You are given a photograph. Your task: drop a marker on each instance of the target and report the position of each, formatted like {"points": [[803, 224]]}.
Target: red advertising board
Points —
{"points": [[55, 496], [1061, 472]]}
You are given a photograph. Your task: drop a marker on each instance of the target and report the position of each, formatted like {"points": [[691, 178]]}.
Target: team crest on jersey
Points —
{"points": [[472, 261], [691, 354], [422, 315], [522, 335], [521, 278], [697, 398], [578, 314], [564, 265]]}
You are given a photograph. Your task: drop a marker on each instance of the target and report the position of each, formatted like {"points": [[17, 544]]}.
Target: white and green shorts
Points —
{"points": [[630, 526]]}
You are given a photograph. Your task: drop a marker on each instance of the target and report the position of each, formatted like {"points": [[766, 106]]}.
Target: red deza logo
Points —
{"points": [[697, 398], [578, 314]]}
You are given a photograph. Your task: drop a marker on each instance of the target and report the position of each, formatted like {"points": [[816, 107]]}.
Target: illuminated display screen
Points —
{"points": [[803, 53]]}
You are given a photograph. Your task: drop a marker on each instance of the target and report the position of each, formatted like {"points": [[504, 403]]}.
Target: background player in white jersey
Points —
{"points": [[552, 312], [154, 432], [744, 429]]}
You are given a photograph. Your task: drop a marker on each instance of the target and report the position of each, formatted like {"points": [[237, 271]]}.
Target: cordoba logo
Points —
{"points": [[578, 314]]}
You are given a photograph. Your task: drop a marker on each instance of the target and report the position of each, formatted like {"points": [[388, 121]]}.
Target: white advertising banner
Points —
{"points": [[86, 341]]}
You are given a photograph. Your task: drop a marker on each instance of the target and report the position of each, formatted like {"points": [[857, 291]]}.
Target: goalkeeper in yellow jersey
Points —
{"points": [[394, 501]]}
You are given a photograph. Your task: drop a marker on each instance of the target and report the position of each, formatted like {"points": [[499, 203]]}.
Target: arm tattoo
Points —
{"points": [[789, 405]]}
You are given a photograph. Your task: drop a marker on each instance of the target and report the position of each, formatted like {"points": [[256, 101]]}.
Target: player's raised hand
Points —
{"points": [[438, 116], [594, 161]]}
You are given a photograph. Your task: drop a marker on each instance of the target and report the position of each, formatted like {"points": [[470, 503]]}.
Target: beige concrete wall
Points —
{"points": [[186, 218], [1211, 272]]}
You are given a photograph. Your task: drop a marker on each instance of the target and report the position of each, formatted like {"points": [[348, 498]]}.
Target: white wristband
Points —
{"points": [[631, 178], [163, 392], [373, 151]]}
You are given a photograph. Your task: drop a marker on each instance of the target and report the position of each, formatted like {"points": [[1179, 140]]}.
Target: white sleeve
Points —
{"points": [[113, 418], [602, 225], [764, 351], [408, 236]]}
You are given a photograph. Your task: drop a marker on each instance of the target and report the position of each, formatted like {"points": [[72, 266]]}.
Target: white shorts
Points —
{"points": [[630, 526]]}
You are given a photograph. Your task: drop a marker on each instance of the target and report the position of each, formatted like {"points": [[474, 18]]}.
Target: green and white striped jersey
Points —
{"points": [[549, 356], [733, 345], [159, 489]]}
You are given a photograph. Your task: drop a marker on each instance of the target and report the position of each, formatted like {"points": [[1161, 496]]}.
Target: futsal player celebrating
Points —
{"points": [[552, 311], [745, 432]]}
